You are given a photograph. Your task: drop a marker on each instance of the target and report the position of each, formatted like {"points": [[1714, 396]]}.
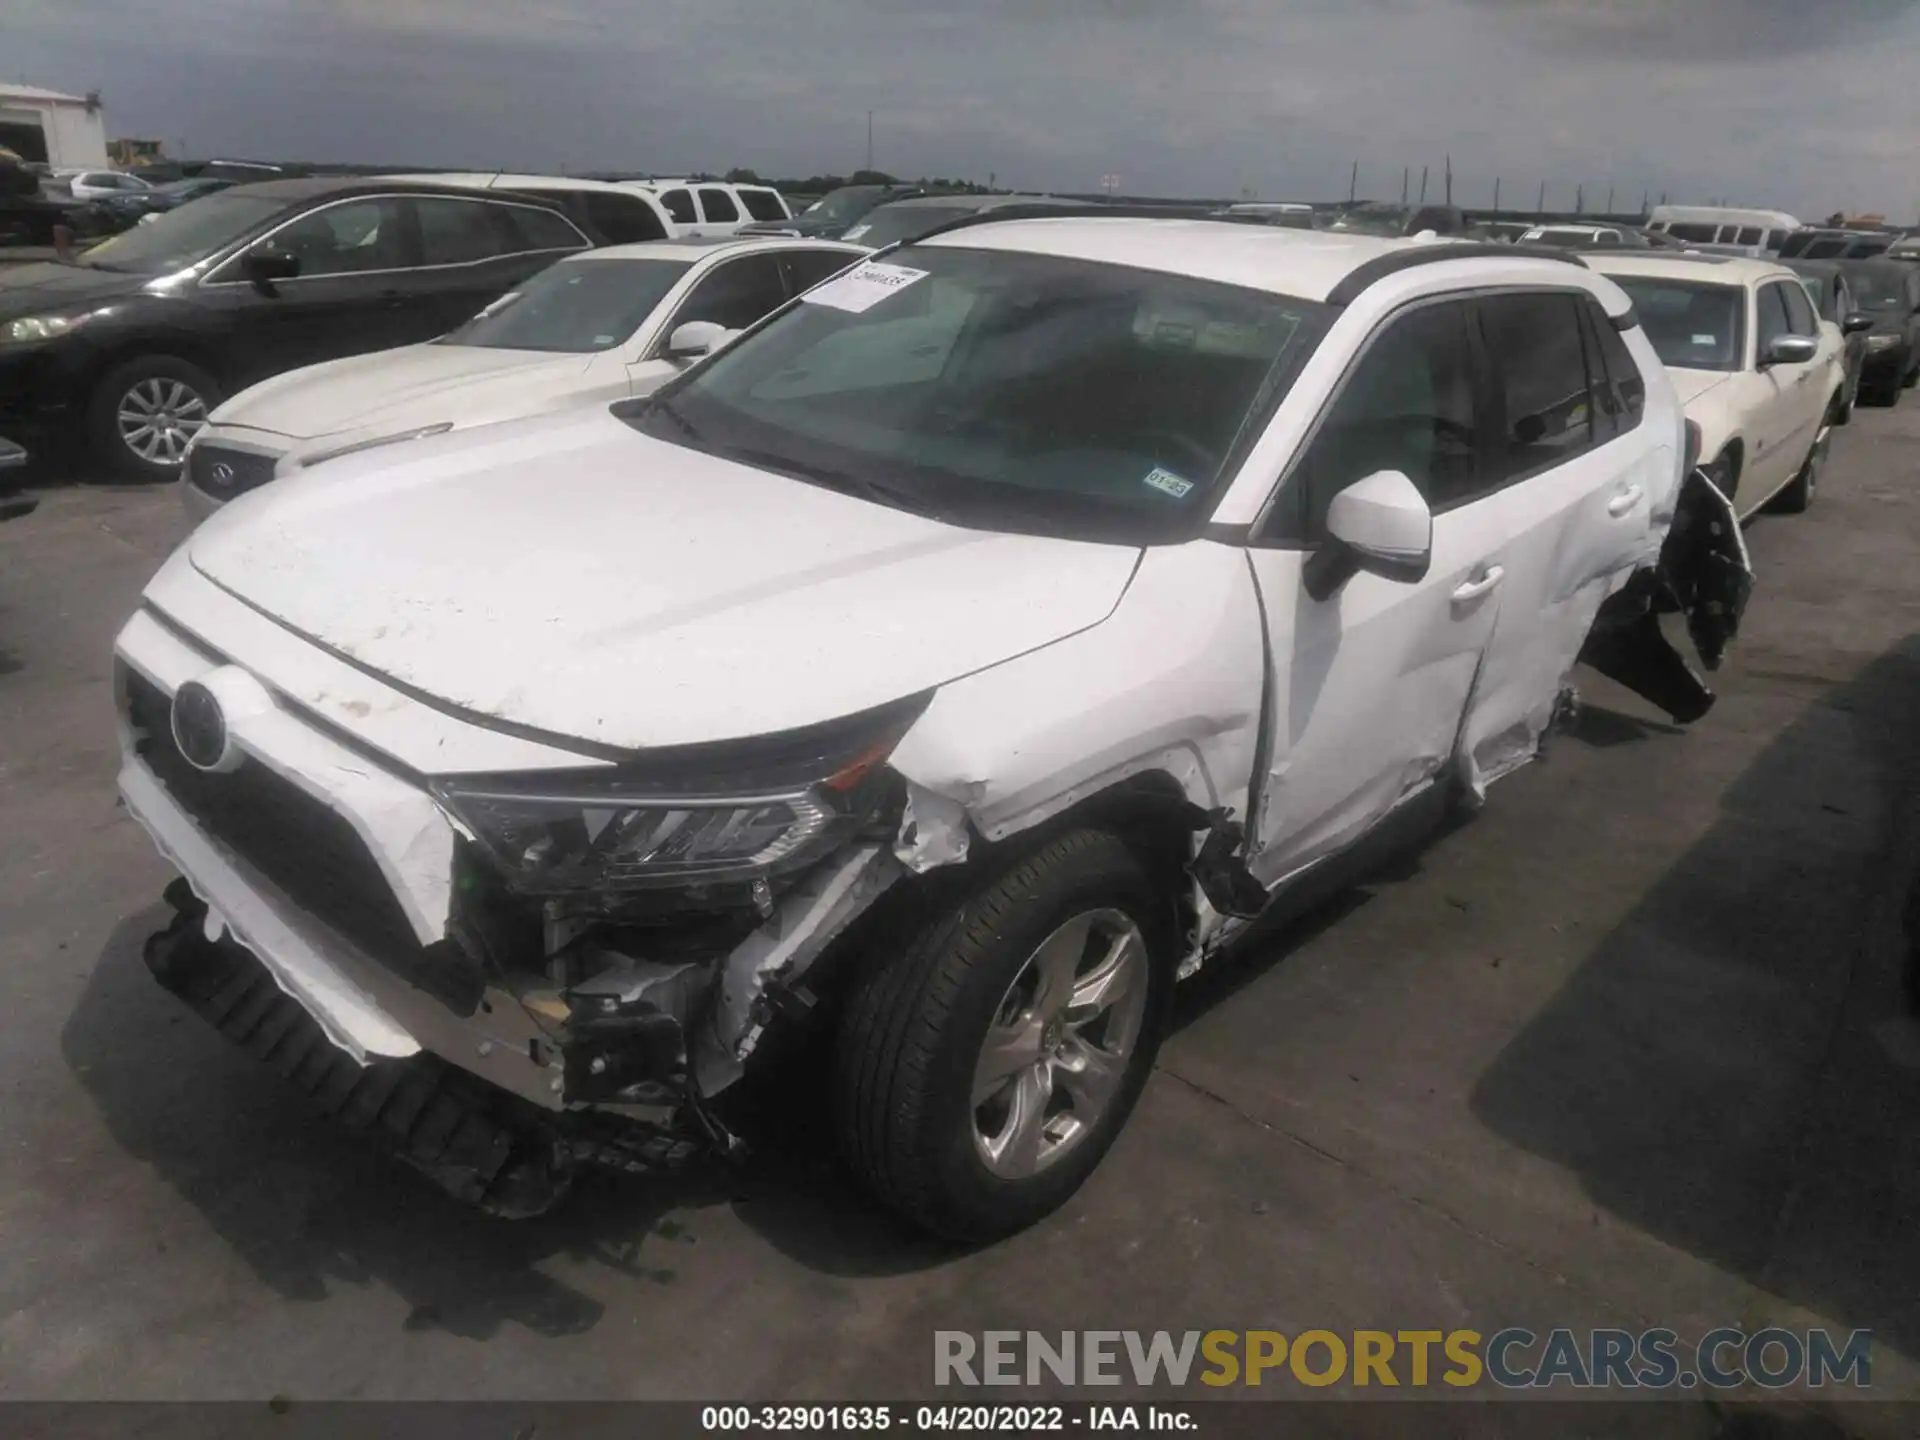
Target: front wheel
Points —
{"points": [[981, 1073], [145, 410]]}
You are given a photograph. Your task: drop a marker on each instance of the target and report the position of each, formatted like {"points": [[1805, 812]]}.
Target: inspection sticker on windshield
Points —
{"points": [[1168, 482], [864, 287], [1705, 340]]}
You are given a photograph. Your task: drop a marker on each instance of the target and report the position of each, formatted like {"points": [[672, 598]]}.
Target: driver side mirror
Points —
{"points": [[264, 264], [1856, 324], [1789, 350], [1381, 525], [697, 338]]}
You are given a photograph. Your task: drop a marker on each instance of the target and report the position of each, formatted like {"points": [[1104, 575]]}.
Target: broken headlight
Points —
{"points": [[737, 811]]}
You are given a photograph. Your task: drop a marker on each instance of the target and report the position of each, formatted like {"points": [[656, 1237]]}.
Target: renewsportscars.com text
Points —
{"points": [[1512, 1359]]}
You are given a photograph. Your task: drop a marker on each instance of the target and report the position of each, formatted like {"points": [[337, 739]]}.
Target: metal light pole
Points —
{"points": [[1406, 178], [1449, 179], [1353, 183], [1540, 210], [1496, 194], [1423, 184]]}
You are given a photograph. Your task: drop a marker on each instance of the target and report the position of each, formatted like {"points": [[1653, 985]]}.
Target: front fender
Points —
{"points": [[1170, 682]]}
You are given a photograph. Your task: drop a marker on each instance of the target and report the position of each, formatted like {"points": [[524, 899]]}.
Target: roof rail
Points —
{"points": [[1358, 279]]}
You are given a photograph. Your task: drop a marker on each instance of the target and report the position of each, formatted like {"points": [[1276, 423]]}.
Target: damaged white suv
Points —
{"points": [[963, 656]]}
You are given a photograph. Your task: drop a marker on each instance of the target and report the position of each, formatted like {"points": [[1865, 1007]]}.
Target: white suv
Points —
{"points": [[958, 659], [713, 207]]}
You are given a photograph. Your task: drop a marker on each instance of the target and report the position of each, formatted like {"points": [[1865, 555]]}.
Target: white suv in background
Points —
{"points": [[599, 326], [957, 660], [612, 214], [712, 207], [1759, 373]]}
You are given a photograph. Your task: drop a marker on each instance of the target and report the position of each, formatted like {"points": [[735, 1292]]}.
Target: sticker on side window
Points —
{"points": [[1167, 482], [864, 287]]}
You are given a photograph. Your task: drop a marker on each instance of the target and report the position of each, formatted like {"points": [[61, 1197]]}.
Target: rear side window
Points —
{"points": [[717, 205], [1535, 343], [1750, 235], [679, 204], [1613, 379], [1800, 316], [1408, 406], [623, 219], [762, 204], [1697, 234], [1776, 239], [536, 229], [459, 232]]}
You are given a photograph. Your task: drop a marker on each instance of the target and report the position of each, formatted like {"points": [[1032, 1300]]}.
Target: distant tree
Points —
{"points": [[871, 177], [741, 176]]}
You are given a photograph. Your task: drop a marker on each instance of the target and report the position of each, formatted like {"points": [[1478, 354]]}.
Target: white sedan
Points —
{"points": [[604, 325], [1760, 374]]}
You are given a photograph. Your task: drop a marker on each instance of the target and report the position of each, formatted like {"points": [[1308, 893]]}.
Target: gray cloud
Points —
{"points": [[1176, 96], [1661, 31]]}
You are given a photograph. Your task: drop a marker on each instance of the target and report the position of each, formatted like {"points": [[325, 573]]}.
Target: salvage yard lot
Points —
{"points": [[1623, 1049]]}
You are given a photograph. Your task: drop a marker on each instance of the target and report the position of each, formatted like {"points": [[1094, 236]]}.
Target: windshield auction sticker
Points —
{"points": [[864, 287]]}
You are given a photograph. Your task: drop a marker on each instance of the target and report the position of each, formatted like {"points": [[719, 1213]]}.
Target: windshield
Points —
{"points": [[890, 223], [1816, 289], [1876, 289], [1373, 220], [1002, 390], [1692, 326], [183, 237], [844, 206], [574, 308]]}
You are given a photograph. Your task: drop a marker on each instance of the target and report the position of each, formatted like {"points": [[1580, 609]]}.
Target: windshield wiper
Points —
{"points": [[685, 426]]}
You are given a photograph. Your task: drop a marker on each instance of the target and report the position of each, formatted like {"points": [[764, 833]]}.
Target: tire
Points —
{"points": [[1911, 376], [149, 386], [912, 1055]]}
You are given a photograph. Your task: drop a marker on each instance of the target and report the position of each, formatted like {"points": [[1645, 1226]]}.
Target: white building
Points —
{"points": [[63, 130]]}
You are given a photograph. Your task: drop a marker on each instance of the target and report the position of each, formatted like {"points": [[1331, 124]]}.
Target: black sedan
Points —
{"points": [[1889, 291], [132, 345], [1826, 285], [135, 205]]}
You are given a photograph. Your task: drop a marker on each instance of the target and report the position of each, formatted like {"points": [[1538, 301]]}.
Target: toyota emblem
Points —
{"points": [[199, 727], [221, 475]]}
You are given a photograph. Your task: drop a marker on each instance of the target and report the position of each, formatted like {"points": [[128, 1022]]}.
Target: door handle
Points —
{"points": [[1625, 501], [1484, 583]]}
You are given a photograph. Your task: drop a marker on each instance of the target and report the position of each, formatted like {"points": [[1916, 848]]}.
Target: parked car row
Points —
{"points": [[973, 645]]}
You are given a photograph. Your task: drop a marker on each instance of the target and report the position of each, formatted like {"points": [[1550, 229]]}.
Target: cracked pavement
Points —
{"points": [[1624, 1048]]}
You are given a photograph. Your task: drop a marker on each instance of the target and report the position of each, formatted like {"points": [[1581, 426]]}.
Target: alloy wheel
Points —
{"points": [[158, 416], [1056, 1054]]}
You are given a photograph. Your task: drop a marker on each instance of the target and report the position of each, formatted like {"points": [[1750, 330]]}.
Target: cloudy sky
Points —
{"points": [[1807, 104]]}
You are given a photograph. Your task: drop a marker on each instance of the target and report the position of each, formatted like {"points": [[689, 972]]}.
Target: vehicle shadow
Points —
{"points": [[311, 1208], [1731, 1070], [1602, 728]]}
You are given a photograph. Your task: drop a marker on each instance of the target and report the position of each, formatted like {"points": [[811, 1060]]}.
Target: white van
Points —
{"points": [[1723, 230]]}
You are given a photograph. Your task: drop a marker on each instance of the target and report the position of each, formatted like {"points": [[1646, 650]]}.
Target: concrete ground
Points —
{"points": [[1624, 1049]]}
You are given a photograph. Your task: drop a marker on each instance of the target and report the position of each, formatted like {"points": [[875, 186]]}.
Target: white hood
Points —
{"points": [[1692, 384], [416, 385], [569, 574]]}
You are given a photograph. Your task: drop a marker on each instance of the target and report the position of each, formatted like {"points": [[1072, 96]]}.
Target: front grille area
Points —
{"points": [[224, 473], [311, 853]]}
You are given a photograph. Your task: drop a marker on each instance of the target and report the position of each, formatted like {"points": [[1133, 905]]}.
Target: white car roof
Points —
{"points": [[694, 249], [1724, 269], [1303, 263], [490, 179]]}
